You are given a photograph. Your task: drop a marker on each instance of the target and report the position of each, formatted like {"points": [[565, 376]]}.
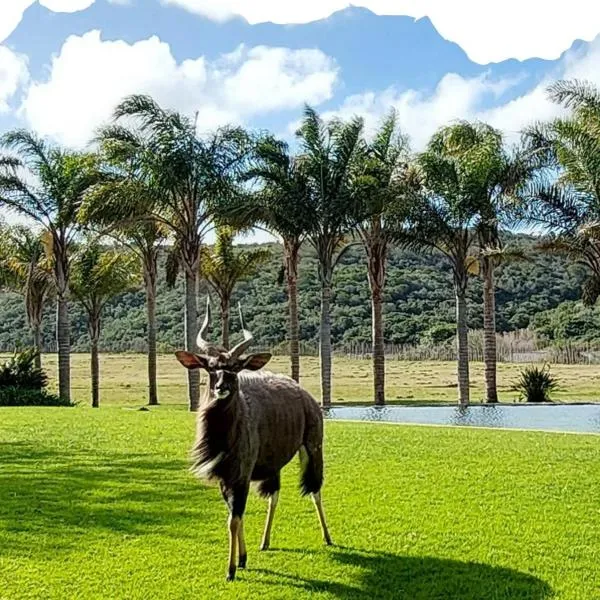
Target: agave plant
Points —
{"points": [[536, 384]]}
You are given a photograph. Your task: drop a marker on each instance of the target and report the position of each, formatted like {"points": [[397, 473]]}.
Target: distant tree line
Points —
{"points": [[417, 308]]}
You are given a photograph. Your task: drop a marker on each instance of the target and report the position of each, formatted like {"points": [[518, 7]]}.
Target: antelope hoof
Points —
{"points": [[231, 574], [243, 560], [264, 546], [328, 541]]}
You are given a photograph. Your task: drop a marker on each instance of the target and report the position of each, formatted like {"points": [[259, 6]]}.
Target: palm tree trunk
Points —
{"points": [[325, 335], [377, 255], [191, 326], [37, 343], [150, 284], [462, 339], [225, 313], [94, 332], [63, 329], [489, 331], [291, 252]]}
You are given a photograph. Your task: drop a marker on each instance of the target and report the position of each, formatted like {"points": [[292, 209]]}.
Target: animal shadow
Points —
{"points": [[385, 575]]}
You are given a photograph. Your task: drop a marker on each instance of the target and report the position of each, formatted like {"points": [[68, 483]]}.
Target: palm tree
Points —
{"points": [[564, 196], [174, 180], [446, 218], [45, 184], [328, 152], [97, 276], [282, 205], [492, 176], [145, 238], [26, 269], [384, 187], [223, 267]]}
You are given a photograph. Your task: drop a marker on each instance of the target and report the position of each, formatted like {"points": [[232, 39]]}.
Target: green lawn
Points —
{"points": [[101, 505], [123, 380]]}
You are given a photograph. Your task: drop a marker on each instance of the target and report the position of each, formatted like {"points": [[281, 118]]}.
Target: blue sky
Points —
{"points": [[65, 63]]}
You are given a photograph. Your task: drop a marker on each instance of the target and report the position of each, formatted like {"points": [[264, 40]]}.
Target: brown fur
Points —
{"points": [[249, 426], [252, 436]]}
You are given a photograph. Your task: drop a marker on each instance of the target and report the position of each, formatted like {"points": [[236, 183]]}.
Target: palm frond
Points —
{"points": [[34, 150], [98, 275], [575, 93]]}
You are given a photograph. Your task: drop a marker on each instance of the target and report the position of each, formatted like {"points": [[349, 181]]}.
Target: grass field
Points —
{"points": [[123, 380], [100, 505]]}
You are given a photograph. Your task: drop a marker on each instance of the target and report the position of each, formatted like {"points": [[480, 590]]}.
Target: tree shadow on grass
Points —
{"points": [[384, 575], [58, 498]]}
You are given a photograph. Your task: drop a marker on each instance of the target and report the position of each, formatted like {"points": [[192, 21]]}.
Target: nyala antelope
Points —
{"points": [[249, 426]]}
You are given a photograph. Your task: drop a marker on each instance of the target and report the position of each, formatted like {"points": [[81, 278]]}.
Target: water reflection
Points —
{"points": [[487, 416], [580, 418]]}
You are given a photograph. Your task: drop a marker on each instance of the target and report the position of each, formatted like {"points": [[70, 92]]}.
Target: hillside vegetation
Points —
{"points": [[419, 304]]}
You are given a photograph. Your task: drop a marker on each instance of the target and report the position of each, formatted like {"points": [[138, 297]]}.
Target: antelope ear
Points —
{"points": [[256, 361], [192, 361]]}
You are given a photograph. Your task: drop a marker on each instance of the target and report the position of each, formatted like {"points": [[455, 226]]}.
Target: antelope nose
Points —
{"points": [[221, 392], [221, 389]]}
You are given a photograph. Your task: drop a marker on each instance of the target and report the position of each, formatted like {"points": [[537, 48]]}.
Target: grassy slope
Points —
{"points": [[123, 380], [101, 505]]}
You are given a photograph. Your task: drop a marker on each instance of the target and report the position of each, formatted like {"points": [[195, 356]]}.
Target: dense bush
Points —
{"points": [[23, 384], [569, 322], [536, 383], [16, 396], [20, 371]]}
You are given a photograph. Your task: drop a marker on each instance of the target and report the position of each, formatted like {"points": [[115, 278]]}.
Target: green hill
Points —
{"points": [[419, 303]]}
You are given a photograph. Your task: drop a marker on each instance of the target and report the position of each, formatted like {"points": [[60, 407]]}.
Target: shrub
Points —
{"points": [[17, 396], [20, 371], [439, 333], [23, 384], [536, 383]]}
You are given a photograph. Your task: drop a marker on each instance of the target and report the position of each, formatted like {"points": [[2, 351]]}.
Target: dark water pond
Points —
{"points": [[574, 418]]}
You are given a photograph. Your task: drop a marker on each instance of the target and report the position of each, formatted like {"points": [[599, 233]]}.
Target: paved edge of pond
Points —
{"points": [[450, 426], [417, 404]]}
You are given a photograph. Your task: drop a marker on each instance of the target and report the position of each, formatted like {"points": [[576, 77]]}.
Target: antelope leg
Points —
{"points": [[319, 506], [242, 546], [266, 541]]}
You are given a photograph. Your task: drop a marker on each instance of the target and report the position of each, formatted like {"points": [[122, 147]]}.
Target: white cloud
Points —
{"points": [[457, 97], [11, 13], [90, 76], [535, 105], [420, 114], [67, 6], [272, 78], [487, 31], [13, 73]]}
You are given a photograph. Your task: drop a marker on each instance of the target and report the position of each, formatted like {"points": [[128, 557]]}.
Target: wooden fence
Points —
{"points": [[514, 347], [506, 353]]}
